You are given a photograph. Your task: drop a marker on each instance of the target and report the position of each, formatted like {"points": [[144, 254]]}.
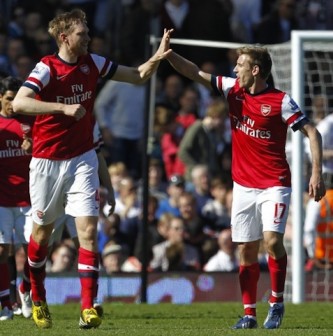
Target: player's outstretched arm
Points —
{"points": [[144, 71], [189, 69]]}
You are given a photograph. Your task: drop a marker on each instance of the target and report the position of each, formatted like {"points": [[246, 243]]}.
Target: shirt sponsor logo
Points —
{"points": [[266, 109], [248, 127]]}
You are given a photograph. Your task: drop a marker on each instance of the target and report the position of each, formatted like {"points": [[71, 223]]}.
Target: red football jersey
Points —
{"points": [[259, 124], [57, 136], [14, 161]]}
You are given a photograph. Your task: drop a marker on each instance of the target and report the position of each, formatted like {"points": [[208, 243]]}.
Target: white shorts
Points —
{"points": [[255, 211], [12, 225], [70, 185]]}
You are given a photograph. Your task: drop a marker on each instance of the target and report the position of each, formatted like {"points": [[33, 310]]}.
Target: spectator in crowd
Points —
{"points": [[121, 121], [245, 14], [157, 229], [44, 44], [156, 181], [16, 148], [175, 14], [33, 30], [218, 209], [203, 142], [315, 14], [189, 101], [176, 187], [194, 228], [186, 258], [109, 230], [169, 142], [226, 259], [318, 229], [108, 21], [319, 108], [200, 185], [117, 172], [162, 118], [16, 26], [135, 256], [63, 258], [23, 65], [15, 48], [276, 27], [171, 92], [127, 204], [207, 97], [112, 258]]}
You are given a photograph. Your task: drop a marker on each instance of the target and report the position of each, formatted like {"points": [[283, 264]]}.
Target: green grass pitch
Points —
{"points": [[199, 319]]}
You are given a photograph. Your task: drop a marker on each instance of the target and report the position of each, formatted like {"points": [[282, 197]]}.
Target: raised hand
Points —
{"points": [[164, 49]]}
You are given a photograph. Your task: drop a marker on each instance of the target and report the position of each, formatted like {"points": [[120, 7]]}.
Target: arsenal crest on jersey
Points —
{"points": [[85, 69], [266, 109], [25, 128]]}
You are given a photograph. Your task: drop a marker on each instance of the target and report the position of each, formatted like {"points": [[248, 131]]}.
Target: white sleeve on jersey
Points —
{"points": [[227, 84], [289, 108], [224, 84], [41, 76], [100, 63]]}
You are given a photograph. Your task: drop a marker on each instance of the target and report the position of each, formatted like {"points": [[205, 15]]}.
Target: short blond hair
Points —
{"points": [[64, 23]]}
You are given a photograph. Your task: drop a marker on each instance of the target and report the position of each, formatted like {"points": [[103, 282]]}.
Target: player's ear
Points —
{"points": [[255, 70], [63, 37]]}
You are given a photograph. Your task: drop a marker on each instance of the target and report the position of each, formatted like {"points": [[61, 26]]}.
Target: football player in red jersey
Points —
{"points": [[260, 116], [61, 91], [15, 156]]}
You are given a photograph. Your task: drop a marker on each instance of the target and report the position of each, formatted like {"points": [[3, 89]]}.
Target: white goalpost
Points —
{"points": [[300, 41], [304, 69]]}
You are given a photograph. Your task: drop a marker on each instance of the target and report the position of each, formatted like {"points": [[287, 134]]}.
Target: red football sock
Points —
{"points": [[25, 285], [88, 273], [277, 270], [37, 256], [248, 278], [4, 285]]}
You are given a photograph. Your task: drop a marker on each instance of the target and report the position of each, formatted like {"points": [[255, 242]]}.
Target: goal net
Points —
{"points": [[304, 69]]}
